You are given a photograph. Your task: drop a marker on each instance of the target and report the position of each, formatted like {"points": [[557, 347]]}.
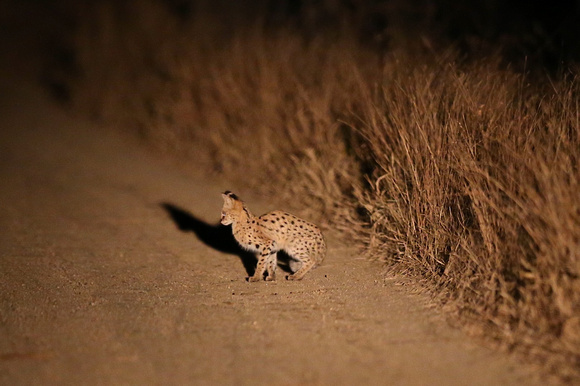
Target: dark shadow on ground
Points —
{"points": [[218, 237]]}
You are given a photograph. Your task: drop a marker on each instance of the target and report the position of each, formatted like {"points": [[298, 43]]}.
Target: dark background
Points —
{"points": [[540, 34]]}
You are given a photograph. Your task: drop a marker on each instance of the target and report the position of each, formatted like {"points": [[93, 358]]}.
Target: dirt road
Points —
{"points": [[112, 272]]}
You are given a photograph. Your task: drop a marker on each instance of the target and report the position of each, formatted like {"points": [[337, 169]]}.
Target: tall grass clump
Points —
{"points": [[475, 187], [457, 172]]}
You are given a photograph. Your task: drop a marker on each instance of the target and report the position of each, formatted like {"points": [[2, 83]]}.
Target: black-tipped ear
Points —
{"points": [[229, 194]]}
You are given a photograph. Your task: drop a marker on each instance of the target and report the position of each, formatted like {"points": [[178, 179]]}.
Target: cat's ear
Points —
{"points": [[229, 195], [229, 199]]}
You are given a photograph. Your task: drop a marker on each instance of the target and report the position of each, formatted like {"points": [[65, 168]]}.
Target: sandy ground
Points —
{"points": [[113, 271]]}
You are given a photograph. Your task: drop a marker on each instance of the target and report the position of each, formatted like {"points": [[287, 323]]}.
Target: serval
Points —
{"points": [[271, 232]]}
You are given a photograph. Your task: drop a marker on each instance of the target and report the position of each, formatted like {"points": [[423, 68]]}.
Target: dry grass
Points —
{"points": [[476, 187], [464, 174]]}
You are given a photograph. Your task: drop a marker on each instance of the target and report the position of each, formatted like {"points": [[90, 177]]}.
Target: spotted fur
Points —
{"points": [[271, 232]]}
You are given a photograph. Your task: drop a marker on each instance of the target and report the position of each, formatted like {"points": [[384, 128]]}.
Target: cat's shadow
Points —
{"points": [[217, 236]]}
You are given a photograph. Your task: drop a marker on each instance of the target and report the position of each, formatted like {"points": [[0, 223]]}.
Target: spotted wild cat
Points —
{"points": [[271, 232]]}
